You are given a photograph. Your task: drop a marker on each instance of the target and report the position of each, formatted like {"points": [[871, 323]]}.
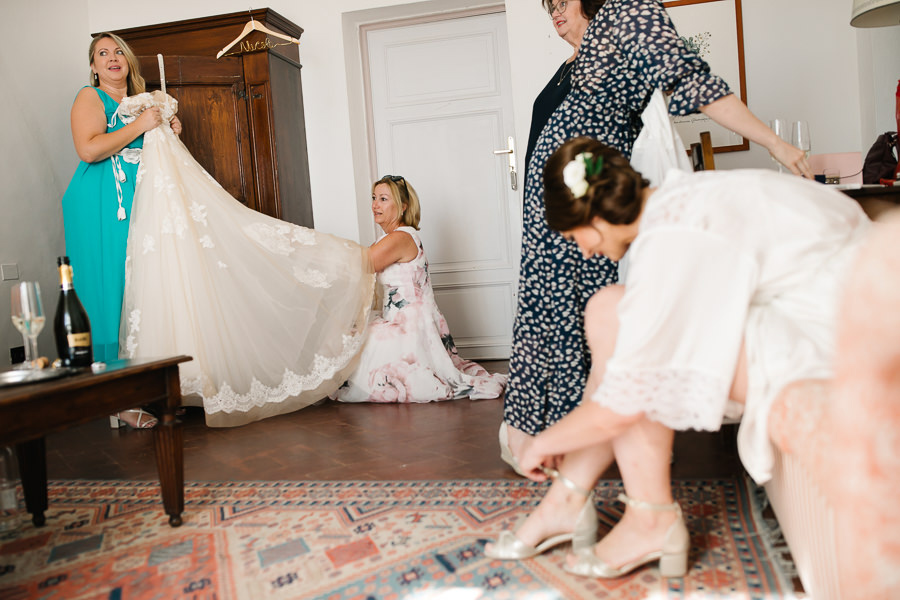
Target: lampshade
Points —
{"points": [[875, 13]]}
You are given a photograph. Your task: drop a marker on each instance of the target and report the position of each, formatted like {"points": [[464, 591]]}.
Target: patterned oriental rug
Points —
{"points": [[389, 540]]}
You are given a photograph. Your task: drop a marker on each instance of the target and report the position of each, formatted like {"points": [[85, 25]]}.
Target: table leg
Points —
{"points": [[170, 453], [32, 457]]}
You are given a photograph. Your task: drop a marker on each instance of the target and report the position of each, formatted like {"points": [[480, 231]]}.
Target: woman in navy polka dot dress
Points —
{"points": [[629, 50]]}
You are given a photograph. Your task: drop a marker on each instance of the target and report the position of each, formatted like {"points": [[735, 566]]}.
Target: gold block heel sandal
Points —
{"points": [[584, 536], [672, 557]]}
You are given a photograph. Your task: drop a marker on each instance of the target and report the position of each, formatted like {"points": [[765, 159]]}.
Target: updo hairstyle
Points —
{"points": [[615, 194], [403, 192]]}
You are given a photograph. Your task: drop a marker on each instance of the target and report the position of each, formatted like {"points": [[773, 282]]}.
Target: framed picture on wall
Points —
{"points": [[713, 29]]}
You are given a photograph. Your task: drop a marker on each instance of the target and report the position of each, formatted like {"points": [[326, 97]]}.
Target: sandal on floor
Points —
{"points": [[672, 557], [506, 454], [144, 419], [584, 536]]}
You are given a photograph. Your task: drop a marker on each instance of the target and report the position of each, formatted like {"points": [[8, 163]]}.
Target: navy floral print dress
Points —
{"points": [[629, 50]]}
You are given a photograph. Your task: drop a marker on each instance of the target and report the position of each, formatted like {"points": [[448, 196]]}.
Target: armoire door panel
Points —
{"points": [[213, 114], [230, 116], [214, 129], [191, 69], [263, 149], [292, 168]]}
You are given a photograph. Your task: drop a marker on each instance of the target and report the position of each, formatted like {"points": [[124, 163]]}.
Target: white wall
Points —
{"points": [[41, 70], [801, 67], [808, 63], [879, 72]]}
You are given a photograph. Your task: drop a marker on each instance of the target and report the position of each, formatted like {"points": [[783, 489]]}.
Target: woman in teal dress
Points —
{"points": [[97, 203]]}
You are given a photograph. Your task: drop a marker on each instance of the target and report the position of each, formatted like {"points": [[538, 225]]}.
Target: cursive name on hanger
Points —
{"points": [[246, 47]]}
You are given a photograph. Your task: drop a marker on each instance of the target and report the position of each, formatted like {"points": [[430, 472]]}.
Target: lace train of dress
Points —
{"points": [[273, 314]]}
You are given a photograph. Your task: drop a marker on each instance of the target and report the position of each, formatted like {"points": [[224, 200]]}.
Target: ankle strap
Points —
{"points": [[554, 474], [648, 505]]}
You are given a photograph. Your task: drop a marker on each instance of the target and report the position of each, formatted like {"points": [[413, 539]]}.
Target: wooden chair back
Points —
{"points": [[702, 156]]}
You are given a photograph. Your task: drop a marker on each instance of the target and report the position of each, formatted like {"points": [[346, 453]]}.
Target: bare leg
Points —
{"points": [[642, 454], [558, 510], [601, 327]]}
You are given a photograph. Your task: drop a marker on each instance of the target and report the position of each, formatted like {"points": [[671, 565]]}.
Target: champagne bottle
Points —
{"points": [[71, 327]]}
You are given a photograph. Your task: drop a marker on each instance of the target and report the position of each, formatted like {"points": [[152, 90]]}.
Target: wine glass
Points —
{"points": [[779, 126], [800, 136], [28, 317]]}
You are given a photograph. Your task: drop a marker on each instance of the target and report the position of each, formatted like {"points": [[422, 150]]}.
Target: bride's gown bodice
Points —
{"points": [[273, 314]]}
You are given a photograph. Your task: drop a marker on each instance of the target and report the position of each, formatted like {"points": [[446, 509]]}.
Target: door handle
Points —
{"points": [[510, 151]]}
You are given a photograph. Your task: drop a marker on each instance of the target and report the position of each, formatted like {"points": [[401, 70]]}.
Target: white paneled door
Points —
{"points": [[441, 106]]}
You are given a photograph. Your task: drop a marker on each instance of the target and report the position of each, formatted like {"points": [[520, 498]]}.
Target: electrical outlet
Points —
{"points": [[9, 272], [17, 355]]}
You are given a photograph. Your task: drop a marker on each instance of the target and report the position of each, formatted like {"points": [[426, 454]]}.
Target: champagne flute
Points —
{"points": [[28, 317], [779, 126], [800, 136]]}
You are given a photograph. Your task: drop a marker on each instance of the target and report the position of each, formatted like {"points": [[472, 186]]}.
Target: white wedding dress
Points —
{"points": [[273, 314]]}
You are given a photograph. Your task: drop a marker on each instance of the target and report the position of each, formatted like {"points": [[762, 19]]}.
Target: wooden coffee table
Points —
{"points": [[29, 412]]}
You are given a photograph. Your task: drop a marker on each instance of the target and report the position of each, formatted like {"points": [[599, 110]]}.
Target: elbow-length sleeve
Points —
{"points": [[681, 324], [657, 54]]}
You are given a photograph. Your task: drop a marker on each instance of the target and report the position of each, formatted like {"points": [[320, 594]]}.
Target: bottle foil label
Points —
{"points": [[78, 340]]}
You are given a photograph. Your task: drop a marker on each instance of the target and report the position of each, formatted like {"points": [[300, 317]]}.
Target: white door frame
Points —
{"points": [[355, 27], [499, 294]]}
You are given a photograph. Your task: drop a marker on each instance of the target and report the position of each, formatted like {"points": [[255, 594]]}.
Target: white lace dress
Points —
{"points": [[273, 314], [409, 355], [721, 257]]}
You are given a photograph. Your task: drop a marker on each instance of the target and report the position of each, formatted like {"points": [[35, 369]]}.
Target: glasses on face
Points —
{"points": [[558, 8]]}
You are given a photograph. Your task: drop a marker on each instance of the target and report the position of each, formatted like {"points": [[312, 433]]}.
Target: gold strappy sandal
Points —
{"points": [[506, 454], [584, 536], [144, 419], [672, 557]]}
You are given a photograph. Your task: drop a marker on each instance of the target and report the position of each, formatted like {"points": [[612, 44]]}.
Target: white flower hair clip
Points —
{"points": [[576, 172]]}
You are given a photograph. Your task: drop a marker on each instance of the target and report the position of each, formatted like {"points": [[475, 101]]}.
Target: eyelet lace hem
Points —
{"points": [[678, 398]]}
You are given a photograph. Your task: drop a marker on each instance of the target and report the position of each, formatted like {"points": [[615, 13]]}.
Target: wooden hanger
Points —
{"points": [[254, 25]]}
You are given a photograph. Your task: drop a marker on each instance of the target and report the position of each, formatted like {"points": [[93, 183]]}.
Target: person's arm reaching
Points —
{"points": [[733, 114]]}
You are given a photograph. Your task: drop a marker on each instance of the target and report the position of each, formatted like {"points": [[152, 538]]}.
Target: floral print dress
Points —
{"points": [[629, 50], [409, 355]]}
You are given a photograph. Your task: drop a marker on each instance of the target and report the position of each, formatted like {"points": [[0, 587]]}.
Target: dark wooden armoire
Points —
{"points": [[243, 113]]}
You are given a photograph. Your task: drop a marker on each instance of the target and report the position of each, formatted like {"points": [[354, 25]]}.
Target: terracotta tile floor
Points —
{"points": [[334, 441]]}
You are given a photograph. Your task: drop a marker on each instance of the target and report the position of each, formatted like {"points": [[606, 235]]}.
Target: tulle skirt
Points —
{"points": [[273, 314]]}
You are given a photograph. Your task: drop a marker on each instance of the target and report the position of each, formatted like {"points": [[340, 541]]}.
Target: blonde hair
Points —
{"points": [[136, 84], [403, 192]]}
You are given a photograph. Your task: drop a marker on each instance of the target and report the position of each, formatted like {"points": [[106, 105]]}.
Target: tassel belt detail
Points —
{"points": [[131, 156]]}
